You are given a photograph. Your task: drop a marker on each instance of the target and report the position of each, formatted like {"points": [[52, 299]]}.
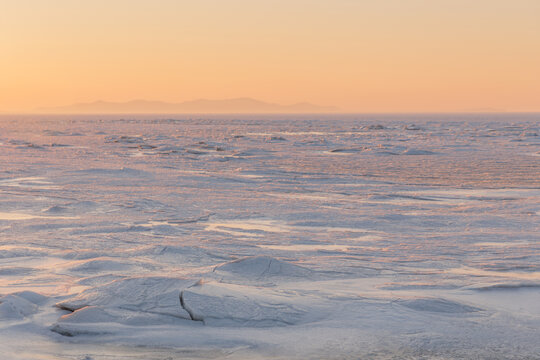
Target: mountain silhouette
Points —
{"points": [[237, 105]]}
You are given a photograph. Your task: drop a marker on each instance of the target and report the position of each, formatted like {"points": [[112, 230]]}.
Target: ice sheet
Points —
{"points": [[336, 236]]}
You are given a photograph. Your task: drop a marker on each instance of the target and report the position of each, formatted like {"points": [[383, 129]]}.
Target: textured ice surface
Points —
{"points": [[158, 295], [346, 236], [238, 305], [16, 307], [438, 306], [262, 267]]}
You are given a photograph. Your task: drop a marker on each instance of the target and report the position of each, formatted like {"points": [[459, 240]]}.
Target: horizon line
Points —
{"points": [[7, 113]]}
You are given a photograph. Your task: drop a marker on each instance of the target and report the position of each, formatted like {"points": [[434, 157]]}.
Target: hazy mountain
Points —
{"points": [[238, 105], [483, 110]]}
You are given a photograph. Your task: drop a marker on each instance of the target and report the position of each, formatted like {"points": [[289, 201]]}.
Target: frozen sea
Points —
{"points": [[270, 237]]}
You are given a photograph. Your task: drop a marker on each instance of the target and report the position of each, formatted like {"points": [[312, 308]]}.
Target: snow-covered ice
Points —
{"points": [[252, 236]]}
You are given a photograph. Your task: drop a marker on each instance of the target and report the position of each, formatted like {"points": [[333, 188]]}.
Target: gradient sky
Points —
{"points": [[365, 56]]}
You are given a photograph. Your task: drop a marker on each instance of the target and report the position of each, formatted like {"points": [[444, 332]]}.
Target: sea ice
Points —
{"points": [[160, 295], [237, 305], [314, 237], [262, 267]]}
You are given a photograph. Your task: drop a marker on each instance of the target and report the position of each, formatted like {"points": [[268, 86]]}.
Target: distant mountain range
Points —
{"points": [[237, 105], [483, 110]]}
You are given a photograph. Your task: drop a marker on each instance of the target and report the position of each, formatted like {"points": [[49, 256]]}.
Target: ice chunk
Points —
{"points": [[55, 209], [374, 127], [238, 305], [160, 295], [88, 314], [31, 296], [277, 138], [412, 127], [258, 267], [13, 307], [97, 320]]}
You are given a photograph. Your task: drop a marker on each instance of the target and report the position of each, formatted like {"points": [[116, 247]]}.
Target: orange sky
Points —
{"points": [[365, 56]]}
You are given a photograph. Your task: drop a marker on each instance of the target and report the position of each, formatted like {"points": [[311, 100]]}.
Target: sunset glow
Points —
{"points": [[361, 56]]}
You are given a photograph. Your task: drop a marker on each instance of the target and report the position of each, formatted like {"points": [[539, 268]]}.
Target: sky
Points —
{"points": [[361, 56]]}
